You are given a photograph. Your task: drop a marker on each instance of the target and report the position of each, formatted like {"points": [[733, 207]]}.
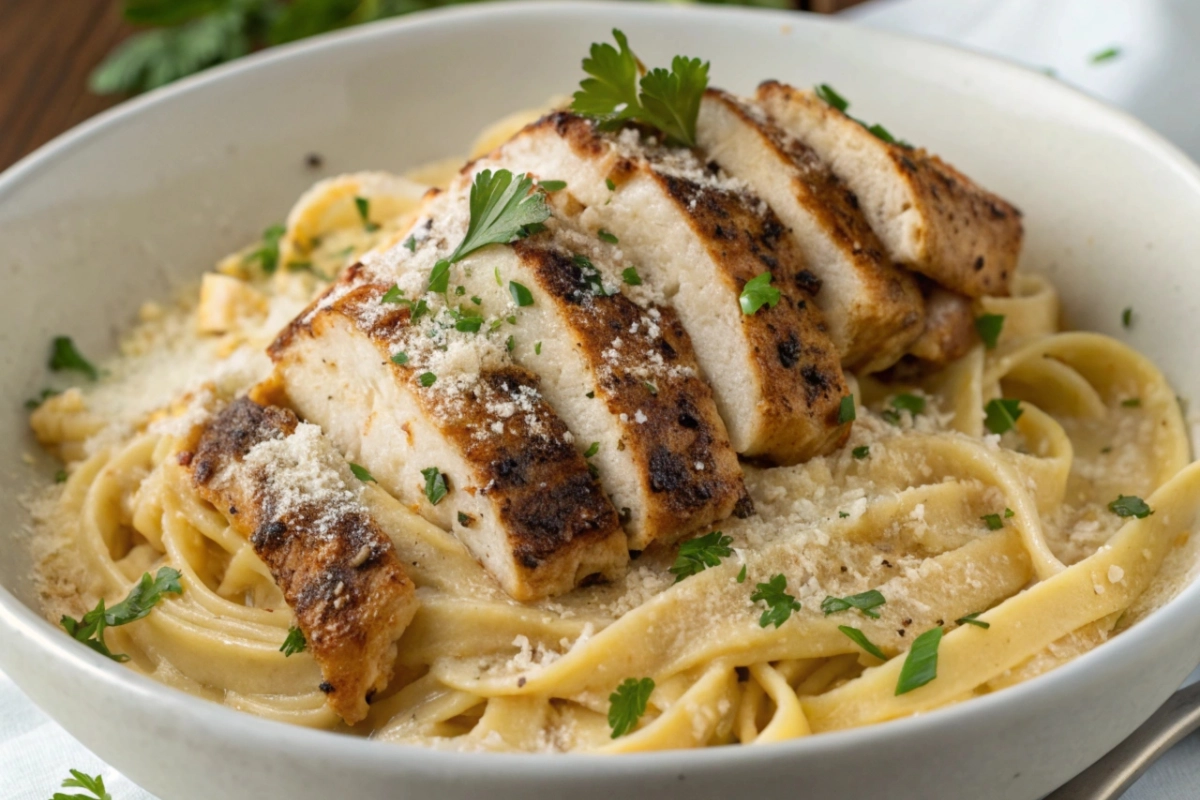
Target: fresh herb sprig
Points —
{"points": [[65, 356], [619, 89], [697, 555], [81, 780], [920, 665], [780, 604], [294, 643], [866, 602], [627, 705], [141, 599]]}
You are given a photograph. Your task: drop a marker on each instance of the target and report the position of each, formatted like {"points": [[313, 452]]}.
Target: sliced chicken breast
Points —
{"points": [[621, 374], [282, 485], [874, 309], [697, 239], [930, 217], [948, 336], [449, 425]]}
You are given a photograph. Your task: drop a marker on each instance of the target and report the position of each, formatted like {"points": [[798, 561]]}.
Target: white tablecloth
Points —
{"points": [[1157, 77]]}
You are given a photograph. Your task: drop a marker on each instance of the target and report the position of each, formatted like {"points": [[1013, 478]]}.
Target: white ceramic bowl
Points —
{"points": [[145, 197]]}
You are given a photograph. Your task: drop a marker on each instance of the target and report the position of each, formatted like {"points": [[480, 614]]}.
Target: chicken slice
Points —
{"points": [[697, 239], [621, 374], [447, 424], [948, 336], [874, 309], [283, 486], [930, 217]]}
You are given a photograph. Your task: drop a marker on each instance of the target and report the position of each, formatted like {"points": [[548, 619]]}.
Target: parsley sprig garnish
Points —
{"points": [[137, 604], [81, 780], [668, 100], [267, 252], [846, 411], [435, 485], [627, 705], [780, 604], [294, 643], [866, 602], [1001, 414], [989, 327], [360, 471], [697, 555], [503, 208], [758, 292], [65, 356], [1130, 506], [920, 665]]}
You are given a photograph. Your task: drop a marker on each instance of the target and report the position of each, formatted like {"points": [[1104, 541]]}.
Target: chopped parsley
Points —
{"points": [[1130, 506], [502, 209], [537, 348], [595, 280], [553, 186], [846, 412], [914, 404], [400, 358], [617, 91], [758, 292], [510, 343], [81, 780], [361, 473], [826, 94], [61, 476], [267, 252], [464, 519], [989, 327], [973, 619], [860, 639], [843, 514], [1132, 402], [393, 295], [411, 243], [993, 521], [439, 277], [42, 396], [294, 643], [605, 236], [650, 387], [427, 379], [435, 485], [741, 576], [137, 604], [920, 665], [1127, 317], [364, 213], [861, 452], [866, 602], [780, 604], [697, 555], [1001, 414], [1107, 54], [520, 294], [631, 277], [476, 299], [65, 356], [593, 448], [612, 187], [467, 320], [627, 705]]}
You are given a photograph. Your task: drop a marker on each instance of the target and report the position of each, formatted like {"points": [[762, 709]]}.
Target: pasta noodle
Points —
{"points": [[478, 670]]}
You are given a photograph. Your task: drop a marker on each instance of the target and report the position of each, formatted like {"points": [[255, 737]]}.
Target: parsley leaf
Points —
{"points": [[294, 643], [741, 576], [591, 274], [758, 292], [826, 94], [1132, 402], [65, 356], [364, 213], [361, 473], [1002, 414], [631, 277], [593, 448], [439, 277], [860, 639], [61, 476], [1127, 317], [400, 358], [627, 705], [605, 236], [1107, 54], [520, 293], [846, 412], [42, 396], [435, 485], [780, 604], [553, 186], [393, 295], [136, 605], [697, 555], [993, 521], [81, 780], [501, 207], [267, 254], [865, 602], [427, 379], [861, 452], [914, 404], [989, 327], [972, 619], [1130, 506], [665, 99], [920, 665], [410, 243]]}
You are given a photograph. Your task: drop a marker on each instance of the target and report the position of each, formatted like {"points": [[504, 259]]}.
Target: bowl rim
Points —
{"points": [[18, 618]]}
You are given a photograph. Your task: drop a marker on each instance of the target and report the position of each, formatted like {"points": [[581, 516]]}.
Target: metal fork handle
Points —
{"points": [[1115, 772]]}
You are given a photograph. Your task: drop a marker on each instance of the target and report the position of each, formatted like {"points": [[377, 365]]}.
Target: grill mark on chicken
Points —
{"points": [[338, 571]]}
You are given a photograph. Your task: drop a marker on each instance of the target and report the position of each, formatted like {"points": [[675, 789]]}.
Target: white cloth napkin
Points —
{"points": [[1156, 77]]}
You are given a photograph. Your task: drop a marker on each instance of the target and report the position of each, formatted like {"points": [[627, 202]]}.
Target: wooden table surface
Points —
{"points": [[47, 49]]}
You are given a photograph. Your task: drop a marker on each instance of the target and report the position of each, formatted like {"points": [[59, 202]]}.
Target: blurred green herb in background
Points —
{"points": [[186, 36]]}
